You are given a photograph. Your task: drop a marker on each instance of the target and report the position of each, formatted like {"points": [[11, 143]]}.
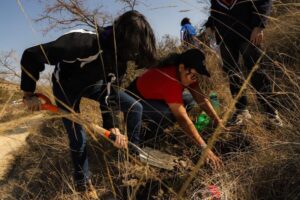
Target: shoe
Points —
{"points": [[238, 117], [87, 190], [91, 192], [275, 119]]}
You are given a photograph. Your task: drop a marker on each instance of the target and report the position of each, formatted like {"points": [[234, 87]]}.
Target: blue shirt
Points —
{"points": [[189, 28]]}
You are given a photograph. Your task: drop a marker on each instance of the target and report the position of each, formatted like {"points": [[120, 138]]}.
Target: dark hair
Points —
{"points": [[135, 39], [192, 59], [185, 21]]}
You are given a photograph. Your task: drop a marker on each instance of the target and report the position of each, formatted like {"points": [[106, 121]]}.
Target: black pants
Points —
{"points": [[230, 52]]}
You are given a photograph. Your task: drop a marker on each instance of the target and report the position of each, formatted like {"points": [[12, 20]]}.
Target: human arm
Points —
{"points": [[209, 34], [64, 49], [261, 11], [32, 63], [210, 23], [257, 36], [69, 48], [187, 125], [121, 141], [205, 104], [182, 36]]}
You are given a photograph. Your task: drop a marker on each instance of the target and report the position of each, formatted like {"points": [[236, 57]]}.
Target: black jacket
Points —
{"points": [[78, 64], [77, 58], [236, 22]]}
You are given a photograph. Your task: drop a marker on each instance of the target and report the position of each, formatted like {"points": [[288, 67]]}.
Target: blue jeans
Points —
{"points": [[76, 134], [157, 115]]}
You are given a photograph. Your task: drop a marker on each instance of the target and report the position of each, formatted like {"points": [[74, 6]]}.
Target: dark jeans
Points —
{"points": [[77, 135], [230, 52], [157, 115]]}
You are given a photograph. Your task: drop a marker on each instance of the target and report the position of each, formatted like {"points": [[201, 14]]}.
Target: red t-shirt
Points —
{"points": [[161, 84]]}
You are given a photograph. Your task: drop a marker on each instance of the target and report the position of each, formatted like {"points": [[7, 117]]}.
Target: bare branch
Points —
{"points": [[166, 45], [65, 14], [8, 66], [130, 4]]}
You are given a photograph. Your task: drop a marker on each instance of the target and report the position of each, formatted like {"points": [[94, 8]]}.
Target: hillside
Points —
{"points": [[261, 161]]}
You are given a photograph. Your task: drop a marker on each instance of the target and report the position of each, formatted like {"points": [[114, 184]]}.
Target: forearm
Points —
{"points": [[189, 128], [205, 104], [28, 81], [210, 23], [27, 94], [208, 108], [32, 63], [261, 11]]}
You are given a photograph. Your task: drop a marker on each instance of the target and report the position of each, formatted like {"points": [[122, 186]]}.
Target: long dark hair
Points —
{"points": [[135, 39]]}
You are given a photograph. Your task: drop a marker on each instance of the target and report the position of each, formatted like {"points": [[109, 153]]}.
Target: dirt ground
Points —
{"points": [[10, 142]]}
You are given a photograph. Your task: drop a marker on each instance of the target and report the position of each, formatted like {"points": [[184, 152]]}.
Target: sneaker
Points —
{"points": [[239, 116], [275, 119]]}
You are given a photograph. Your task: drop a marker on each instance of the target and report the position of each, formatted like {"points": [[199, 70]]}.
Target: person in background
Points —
{"points": [[239, 29], [163, 102], [188, 34], [89, 64]]}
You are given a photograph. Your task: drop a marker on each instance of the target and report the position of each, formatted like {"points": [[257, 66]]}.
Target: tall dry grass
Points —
{"points": [[260, 161]]}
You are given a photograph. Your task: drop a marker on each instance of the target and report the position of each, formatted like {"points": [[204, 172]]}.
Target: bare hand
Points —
{"points": [[214, 161], [257, 36], [209, 33], [32, 102], [121, 140]]}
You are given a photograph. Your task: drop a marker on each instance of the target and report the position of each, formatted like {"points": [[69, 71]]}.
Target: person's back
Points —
{"points": [[187, 33]]}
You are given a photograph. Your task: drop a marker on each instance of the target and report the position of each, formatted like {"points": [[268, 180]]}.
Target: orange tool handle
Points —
{"points": [[47, 105]]}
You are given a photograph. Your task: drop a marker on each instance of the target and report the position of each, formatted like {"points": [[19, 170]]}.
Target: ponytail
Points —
{"points": [[172, 59]]}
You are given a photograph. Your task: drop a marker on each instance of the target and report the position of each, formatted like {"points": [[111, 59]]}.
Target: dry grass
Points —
{"points": [[261, 162]]}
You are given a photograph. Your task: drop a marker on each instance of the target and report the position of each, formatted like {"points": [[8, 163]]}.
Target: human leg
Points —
{"points": [[116, 102], [157, 116], [76, 135], [260, 80], [188, 100], [230, 57], [133, 111]]}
